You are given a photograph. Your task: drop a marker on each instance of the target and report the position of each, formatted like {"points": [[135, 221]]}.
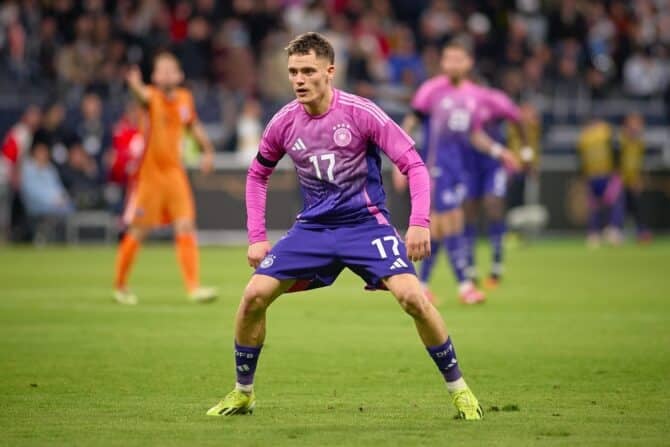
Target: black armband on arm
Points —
{"points": [[265, 162]]}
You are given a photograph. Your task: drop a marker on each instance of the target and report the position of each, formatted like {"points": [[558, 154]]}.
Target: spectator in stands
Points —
{"points": [[404, 57], [18, 140], [249, 130], [42, 191], [81, 179], [193, 52], [127, 148], [54, 133], [644, 75], [92, 131]]}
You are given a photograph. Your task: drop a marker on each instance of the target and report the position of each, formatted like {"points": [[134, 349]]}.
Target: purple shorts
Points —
{"points": [[485, 176], [449, 189], [315, 256], [598, 186]]}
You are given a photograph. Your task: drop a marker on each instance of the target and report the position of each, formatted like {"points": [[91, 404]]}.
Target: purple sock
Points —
{"points": [[594, 219], [470, 236], [496, 234], [454, 245], [618, 213], [246, 358], [444, 357], [428, 263]]}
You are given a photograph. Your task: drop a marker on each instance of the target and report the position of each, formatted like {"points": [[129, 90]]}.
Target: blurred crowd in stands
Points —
{"points": [[69, 129]]}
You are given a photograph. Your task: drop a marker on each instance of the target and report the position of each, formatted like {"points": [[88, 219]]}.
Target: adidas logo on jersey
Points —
{"points": [[299, 145], [398, 264]]}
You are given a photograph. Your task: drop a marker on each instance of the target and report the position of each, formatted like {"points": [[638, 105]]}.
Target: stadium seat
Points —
{"points": [[90, 220]]}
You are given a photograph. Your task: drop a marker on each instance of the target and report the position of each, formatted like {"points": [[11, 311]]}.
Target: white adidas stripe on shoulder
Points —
{"points": [[380, 120], [349, 98]]}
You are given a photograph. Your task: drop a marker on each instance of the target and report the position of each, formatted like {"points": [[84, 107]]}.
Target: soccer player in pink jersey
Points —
{"points": [[334, 140], [451, 107], [487, 182]]}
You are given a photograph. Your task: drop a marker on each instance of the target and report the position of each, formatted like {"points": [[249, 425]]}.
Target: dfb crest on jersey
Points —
{"points": [[267, 261], [342, 135]]}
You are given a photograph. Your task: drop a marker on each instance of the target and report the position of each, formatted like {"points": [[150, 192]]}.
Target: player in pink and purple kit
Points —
{"points": [[487, 181], [451, 106], [334, 140]]}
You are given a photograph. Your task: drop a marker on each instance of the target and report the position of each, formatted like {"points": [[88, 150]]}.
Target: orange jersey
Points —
{"points": [[164, 131]]}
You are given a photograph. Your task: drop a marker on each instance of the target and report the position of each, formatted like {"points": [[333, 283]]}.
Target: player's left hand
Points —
{"points": [[417, 241], [207, 162]]}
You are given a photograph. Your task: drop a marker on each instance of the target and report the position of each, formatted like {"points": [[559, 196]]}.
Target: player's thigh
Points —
{"points": [[373, 251], [144, 204], [471, 209], [495, 207], [180, 206], [306, 256], [451, 222]]}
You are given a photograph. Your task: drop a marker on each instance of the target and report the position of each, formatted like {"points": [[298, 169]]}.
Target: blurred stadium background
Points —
{"points": [[572, 350], [567, 61]]}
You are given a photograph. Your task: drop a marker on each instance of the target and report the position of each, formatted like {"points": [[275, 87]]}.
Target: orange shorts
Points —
{"points": [[159, 200]]}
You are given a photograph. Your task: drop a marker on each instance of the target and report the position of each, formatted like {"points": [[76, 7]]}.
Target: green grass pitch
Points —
{"points": [[574, 349]]}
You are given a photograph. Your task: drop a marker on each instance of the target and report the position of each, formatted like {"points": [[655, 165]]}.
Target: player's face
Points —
{"points": [[167, 74], [310, 76], [456, 63], [634, 123]]}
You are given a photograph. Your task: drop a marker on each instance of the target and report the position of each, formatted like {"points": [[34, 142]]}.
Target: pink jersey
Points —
{"points": [[337, 159], [429, 93], [497, 106], [453, 113]]}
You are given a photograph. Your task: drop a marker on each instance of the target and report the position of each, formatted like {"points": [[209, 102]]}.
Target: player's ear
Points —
{"points": [[331, 72]]}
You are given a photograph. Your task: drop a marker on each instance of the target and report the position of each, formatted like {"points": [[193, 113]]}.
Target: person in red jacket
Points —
{"points": [[127, 146], [18, 140]]}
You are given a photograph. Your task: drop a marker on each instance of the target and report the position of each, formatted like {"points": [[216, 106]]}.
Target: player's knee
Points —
{"points": [[412, 300], [254, 300]]}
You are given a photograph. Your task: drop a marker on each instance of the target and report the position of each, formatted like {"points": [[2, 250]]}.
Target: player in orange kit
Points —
{"points": [[160, 192]]}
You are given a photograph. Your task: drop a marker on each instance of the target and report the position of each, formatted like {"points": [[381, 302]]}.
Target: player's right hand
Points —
{"points": [[510, 161], [134, 75], [417, 241], [257, 252]]}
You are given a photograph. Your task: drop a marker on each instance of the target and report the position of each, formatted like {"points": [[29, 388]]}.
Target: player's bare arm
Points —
{"points": [[483, 143], [206, 146], [136, 85]]}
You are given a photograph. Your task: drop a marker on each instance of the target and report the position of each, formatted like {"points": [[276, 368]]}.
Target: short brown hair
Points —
{"points": [[165, 54], [311, 41], [459, 44]]}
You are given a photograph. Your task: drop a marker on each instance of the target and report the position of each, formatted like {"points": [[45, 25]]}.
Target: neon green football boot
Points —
{"points": [[236, 402], [467, 405]]}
